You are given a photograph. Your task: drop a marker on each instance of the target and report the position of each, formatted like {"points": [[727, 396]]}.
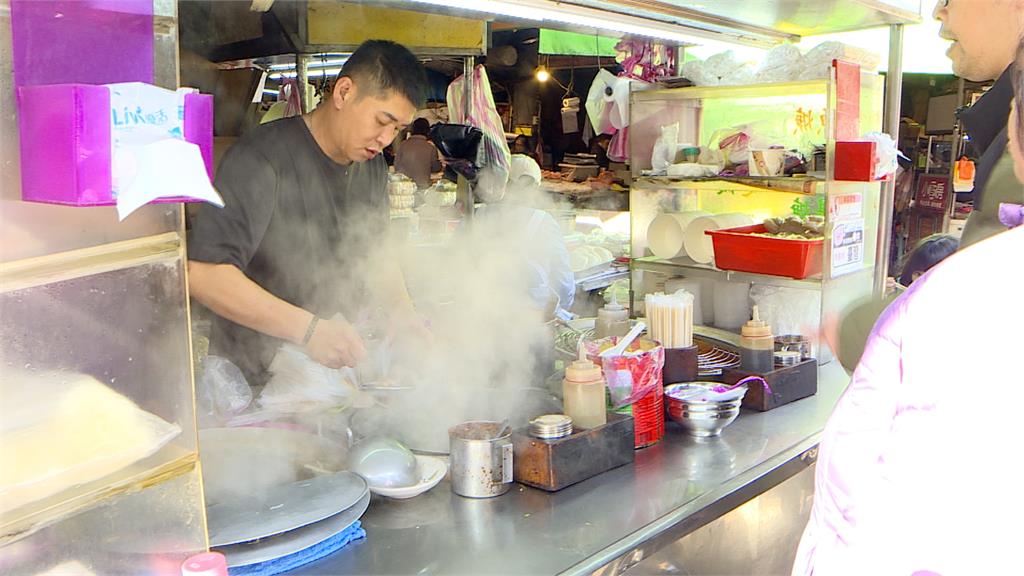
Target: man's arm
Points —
{"points": [[229, 293]]}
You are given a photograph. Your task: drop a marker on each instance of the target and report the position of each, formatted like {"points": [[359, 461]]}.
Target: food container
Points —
{"points": [[701, 418], [635, 385], [738, 249], [579, 172], [551, 426], [481, 459], [797, 342], [698, 245], [787, 358]]}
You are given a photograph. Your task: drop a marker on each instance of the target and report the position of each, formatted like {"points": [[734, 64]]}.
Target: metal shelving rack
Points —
{"points": [[777, 107]]}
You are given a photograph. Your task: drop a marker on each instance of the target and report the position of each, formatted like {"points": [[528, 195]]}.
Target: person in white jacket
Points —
{"points": [[917, 471], [534, 233]]}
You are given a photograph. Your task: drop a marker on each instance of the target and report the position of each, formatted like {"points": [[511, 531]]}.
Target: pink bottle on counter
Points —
{"points": [[205, 564]]}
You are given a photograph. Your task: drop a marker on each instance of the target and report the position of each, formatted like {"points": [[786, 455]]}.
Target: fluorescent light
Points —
{"points": [[329, 63], [542, 10], [319, 73]]}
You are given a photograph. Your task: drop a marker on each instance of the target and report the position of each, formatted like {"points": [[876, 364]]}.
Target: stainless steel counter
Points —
{"points": [[607, 523]]}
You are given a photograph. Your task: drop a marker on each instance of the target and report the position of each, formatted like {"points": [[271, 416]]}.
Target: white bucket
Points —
{"points": [[666, 233], [698, 244]]}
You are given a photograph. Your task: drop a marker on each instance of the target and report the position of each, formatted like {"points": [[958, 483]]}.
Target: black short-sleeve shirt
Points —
{"points": [[295, 222]]}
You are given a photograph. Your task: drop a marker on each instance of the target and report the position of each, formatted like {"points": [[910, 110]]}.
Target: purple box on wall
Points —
{"points": [[66, 142]]}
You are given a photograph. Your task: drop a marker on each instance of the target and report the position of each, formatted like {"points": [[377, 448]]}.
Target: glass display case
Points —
{"points": [[799, 116], [100, 471]]}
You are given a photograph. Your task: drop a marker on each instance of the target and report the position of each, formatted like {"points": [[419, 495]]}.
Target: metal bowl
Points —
{"points": [[705, 424], [384, 462], [700, 418]]}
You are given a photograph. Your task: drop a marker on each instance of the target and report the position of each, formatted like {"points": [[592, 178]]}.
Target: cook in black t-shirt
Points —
{"points": [[305, 205]]}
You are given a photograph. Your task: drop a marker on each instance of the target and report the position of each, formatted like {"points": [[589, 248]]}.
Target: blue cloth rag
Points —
{"points": [[302, 557]]}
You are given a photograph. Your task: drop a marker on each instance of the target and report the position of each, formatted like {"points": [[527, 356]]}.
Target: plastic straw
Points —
{"points": [[671, 318]]}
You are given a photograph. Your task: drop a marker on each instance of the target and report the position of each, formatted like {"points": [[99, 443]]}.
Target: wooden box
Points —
{"points": [[788, 384], [554, 464]]}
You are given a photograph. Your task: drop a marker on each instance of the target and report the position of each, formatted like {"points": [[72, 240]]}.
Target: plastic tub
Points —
{"points": [[699, 246], [736, 249]]}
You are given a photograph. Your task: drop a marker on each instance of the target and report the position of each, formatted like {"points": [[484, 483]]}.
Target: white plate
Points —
{"points": [[432, 470]]}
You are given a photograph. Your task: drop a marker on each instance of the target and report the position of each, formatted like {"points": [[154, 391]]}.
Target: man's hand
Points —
{"points": [[335, 343]]}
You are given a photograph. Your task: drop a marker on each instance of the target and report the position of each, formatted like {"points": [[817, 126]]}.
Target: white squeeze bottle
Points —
{"points": [[583, 393], [612, 320]]}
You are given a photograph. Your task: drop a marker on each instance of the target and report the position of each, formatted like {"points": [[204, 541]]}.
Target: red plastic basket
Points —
{"points": [[736, 249]]}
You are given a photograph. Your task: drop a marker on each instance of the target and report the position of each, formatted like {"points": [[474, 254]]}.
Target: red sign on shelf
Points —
{"points": [[932, 193]]}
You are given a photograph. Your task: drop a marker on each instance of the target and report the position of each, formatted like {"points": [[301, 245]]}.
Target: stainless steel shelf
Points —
{"points": [[790, 184], [690, 268]]}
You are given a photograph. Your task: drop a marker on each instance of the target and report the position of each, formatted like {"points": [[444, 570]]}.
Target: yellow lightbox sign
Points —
{"points": [[342, 24]]}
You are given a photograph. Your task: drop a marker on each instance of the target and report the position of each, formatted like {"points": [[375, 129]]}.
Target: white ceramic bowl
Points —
{"points": [[432, 470]]}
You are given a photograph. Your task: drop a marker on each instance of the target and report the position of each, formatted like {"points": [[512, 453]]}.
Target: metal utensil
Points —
{"points": [[384, 462]]}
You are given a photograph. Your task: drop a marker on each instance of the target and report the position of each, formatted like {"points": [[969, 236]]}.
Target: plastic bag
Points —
{"points": [[633, 375], [722, 69], [221, 391], [886, 154], [784, 63], [665, 148], [299, 383], [63, 429], [789, 311]]}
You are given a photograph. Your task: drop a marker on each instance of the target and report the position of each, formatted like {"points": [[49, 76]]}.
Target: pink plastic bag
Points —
{"points": [[634, 374]]}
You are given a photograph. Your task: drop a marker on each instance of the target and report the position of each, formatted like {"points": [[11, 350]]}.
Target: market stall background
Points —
{"points": [[82, 246]]}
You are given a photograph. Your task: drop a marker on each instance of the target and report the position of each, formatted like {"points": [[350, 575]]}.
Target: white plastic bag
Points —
{"points": [[665, 148], [298, 383], [62, 429], [886, 153], [784, 63], [221, 392]]}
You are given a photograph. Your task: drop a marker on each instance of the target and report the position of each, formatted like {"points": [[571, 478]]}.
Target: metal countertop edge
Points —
{"points": [[630, 550]]}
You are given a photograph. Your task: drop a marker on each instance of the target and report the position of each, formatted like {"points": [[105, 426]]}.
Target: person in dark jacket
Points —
{"points": [[985, 36], [417, 157]]}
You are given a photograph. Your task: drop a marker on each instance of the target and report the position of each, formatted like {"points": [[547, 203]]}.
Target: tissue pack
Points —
{"points": [[67, 142]]}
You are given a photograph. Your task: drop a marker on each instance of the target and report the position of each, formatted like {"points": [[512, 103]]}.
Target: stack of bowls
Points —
{"points": [[692, 406], [551, 426]]}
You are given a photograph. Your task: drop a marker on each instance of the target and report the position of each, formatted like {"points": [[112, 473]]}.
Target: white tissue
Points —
{"points": [[150, 158], [165, 168]]}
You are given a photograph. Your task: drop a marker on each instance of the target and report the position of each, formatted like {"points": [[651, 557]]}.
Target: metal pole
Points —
{"points": [[302, 80], [893, 93], [954, 155], [464, 189]]}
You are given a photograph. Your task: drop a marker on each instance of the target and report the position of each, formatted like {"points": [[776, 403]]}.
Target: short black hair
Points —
{"points": [[420, 127], [385, 66], [928, 252]]}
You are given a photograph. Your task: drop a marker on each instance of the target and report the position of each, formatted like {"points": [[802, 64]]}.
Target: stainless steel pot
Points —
{"points": [[481, 459]]}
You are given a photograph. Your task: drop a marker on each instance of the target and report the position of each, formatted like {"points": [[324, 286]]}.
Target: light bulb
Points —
{"points": [[542, 75]]}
